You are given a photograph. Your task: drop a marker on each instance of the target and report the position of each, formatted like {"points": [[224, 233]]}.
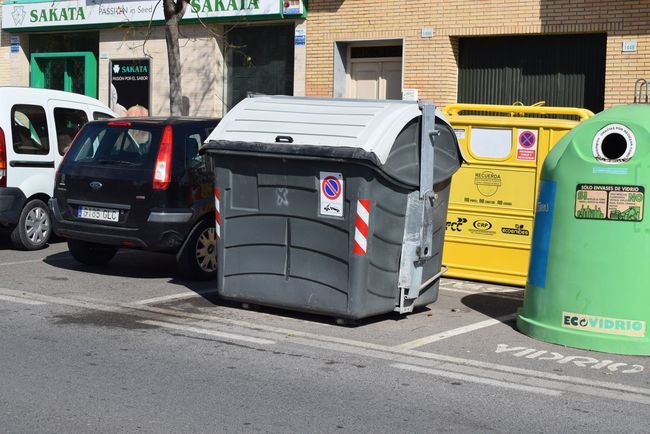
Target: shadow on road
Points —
{"points": [[131, 264], [134, 264], [494, 305], [128, 263], [215, 300], [5, 244]]}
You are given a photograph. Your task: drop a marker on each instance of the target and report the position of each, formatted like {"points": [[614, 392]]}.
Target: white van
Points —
{"points": [[36, 128]]}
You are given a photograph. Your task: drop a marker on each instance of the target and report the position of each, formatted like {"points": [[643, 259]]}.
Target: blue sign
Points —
{"points": [[300, 36], [15, 44]]}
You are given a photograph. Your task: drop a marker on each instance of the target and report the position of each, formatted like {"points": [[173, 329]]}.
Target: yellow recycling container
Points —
{"points": [[492, 201]]}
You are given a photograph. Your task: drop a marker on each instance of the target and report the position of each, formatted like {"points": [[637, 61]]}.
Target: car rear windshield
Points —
{"points": [[117, 143]]}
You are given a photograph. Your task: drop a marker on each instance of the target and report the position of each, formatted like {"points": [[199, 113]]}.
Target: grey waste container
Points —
{"points": [[320, 206]]}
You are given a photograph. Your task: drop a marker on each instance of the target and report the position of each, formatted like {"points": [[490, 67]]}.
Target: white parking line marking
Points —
{"points": [[476, 287], [478, 368], [510, 295], [172, 297], [455, 332], [479, 380], [366, 349], [31, 261], [202, 331], [21, 300]]}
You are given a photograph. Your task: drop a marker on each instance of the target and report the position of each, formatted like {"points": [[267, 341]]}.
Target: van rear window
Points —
{"points": [[124, 145], [67, 122]]}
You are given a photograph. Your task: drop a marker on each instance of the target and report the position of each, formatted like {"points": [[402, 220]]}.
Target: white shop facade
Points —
{"points": [[116, 51]]}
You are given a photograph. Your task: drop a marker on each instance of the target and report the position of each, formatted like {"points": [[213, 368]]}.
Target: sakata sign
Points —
{"points": [[16, 16]]}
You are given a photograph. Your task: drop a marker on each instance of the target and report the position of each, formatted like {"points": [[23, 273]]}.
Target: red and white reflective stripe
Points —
{"points": [[217, 211], [361, 227]]}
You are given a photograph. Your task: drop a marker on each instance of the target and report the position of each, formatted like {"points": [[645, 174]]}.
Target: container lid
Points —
{"points": [[370, 125]]}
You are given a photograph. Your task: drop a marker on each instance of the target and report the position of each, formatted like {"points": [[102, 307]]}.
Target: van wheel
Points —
{"points": [[198, 260], [91, 253], [34, 226]]}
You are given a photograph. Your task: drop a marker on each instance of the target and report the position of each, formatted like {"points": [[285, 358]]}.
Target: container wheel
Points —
{"points": [[347, 322]]}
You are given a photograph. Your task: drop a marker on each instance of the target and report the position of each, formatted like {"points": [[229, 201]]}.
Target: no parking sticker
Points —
{"points": [[527, 145], [331, 194]]}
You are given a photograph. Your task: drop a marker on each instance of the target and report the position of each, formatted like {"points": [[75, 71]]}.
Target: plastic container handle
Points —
{"points": [[284, 139]]}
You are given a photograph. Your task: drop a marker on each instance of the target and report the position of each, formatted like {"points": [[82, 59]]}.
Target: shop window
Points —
{"points": [[259, 60], [29, 130], [67, 123], [75, 73]]}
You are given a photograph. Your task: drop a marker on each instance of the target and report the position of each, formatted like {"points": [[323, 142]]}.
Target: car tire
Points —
{"points": [[34, 226], [91, 253], [198, 259]]}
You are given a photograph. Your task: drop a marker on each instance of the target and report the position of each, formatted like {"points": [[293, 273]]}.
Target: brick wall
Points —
{"points": [[339, 20], [5, 71], [14, 67]]}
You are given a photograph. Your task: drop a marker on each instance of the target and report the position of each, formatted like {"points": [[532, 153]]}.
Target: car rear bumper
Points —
{"points": [[164, 230], [12, 201]]}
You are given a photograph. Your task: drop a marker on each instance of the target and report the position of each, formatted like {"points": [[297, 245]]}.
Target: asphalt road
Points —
{"points": [[131, 347]]}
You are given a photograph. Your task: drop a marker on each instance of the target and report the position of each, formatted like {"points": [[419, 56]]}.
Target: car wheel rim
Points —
{"points": [[206, 250], [37, 225]]}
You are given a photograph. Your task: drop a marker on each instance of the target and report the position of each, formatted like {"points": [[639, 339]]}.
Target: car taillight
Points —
{"points": [[163, 168], [3, 159], [119, 124]]}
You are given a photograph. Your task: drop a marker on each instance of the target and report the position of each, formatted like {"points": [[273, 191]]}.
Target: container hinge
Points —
{"points": [[411, 262], [427, 164], [418, 228], [407, 304]]}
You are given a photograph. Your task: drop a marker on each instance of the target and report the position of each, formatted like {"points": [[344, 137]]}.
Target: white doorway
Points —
{"points": [[375, 72], [376, 79]]}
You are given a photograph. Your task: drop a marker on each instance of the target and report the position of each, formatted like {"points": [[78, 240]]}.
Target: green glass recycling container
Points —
{"points": [[589, 280]]}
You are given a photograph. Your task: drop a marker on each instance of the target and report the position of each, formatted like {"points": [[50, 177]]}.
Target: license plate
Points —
{"points": [[102, 214]]}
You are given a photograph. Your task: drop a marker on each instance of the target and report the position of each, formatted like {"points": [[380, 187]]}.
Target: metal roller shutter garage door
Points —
{"points": [[563, 70]]}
